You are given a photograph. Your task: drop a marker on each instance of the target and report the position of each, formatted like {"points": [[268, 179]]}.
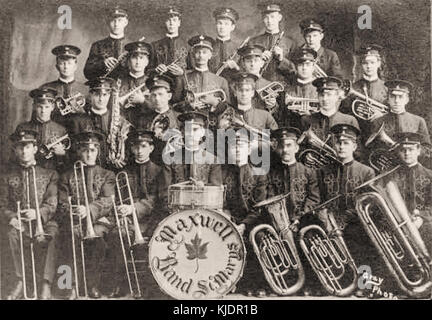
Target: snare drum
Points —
{"points": [[197, 254], [182, 196]]}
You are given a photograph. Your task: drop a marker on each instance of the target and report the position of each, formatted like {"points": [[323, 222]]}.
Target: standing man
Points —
{"points": [[224, 47], [13, 188], [327, 60], [272, 16], [104, 54]]}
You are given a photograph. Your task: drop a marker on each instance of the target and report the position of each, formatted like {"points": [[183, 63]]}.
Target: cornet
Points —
{"points": [[276, 250], [272, 90], [73, 104], [302, 105], [125, 198], [197, 99], [46, 151]]}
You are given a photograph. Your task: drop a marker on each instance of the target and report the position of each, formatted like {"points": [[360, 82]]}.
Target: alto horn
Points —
{"points": [[387, 221], [276, 250], [272, 90], [73, 104]]}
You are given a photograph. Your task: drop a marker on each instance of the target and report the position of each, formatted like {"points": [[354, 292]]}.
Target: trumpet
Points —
{"points": [[382, 159], [364, 107], [39, 233], [125, 197], [388, 223], [122, 100], [321, 153], [302, 105], [272, 90], [73, 104], [46, 151], [276, 250], [79, 178]]}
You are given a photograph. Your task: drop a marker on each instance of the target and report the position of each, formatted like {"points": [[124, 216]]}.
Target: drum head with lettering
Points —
{"points": [[196, 254]]}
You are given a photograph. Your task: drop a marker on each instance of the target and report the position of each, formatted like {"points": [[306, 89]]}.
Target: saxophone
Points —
{"points": [[119, 129]]}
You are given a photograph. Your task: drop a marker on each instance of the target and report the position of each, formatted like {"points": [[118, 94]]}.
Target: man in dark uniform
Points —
{"points": [[105, 54], [66, 85], [271, 14], [327, 59], [100, 185], [224, 46], [48, 131], [147, 192], [137, 62], [13, 189], [171, 52]]}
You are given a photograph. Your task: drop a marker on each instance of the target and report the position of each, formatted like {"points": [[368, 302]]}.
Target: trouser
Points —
{"points": [[44, 252]]}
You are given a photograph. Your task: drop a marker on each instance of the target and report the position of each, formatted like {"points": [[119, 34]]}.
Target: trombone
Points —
{"points": [[125, 197], [90, 233], [39, 233]]}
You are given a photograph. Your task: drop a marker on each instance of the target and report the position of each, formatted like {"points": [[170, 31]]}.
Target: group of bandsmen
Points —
{"points": [[171, 73]]}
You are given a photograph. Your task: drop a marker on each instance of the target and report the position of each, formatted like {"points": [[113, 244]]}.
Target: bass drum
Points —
{"points": [[197, 254]]}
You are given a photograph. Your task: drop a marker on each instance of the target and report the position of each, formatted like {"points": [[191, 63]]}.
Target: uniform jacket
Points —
{"points": [[128, 83], [166, 50], [328, 60], [222, 50], [12, 189], [257, 118]]}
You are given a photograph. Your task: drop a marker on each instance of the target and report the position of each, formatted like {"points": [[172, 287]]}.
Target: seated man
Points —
{"points": [[19, 185]]}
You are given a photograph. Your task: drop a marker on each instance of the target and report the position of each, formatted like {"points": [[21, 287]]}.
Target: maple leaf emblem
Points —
{"points": [[196, 250]]}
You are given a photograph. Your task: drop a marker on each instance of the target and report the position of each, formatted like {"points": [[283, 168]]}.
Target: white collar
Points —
{"points": [[316, 50], [113, 36], [142, 162], [403, 111], [370, 79], [66, 81], [137, 76], [328, 113], [201, 69], [305, 81], [99, 112], [289, 163], [171, 36], [162, 111], [223, 40], [273, 33], [28, 165], [244, 107]]}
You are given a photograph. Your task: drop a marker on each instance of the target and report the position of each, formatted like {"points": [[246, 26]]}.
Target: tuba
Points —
{"points": [[382, 159], [320, 151], [388, 223], [73, 104], [276, 250]]}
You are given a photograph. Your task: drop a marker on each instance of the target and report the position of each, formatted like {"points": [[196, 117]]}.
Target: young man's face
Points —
{"points": [[193, 133], [25, 152], [142, 150], [398, 102], [88, 154], [138, 62], [287, 149], [118, 24], [160, 97], [271, 20], [409, 153], [67, 66], [313, 38], [239, 152], [345, 148], [370, 65], [43, 109], [202, 55], [305, 69], [329, 99], [100, 98], [224, 27], [173, 24], [253, 64], [244, 93]]}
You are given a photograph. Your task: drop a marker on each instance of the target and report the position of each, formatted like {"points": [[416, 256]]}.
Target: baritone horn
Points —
{"points": [[125, 198], [275, 248], [364, 107], [387, 221]]}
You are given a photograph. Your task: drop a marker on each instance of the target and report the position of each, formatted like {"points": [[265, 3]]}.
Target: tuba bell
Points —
{"points": [[387, 221], [276, 250], [382, 159]]}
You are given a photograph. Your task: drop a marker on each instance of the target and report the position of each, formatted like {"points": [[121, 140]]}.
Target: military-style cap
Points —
{"points": [[371, 50], [251, 50], [398, 87], [345, 130], [310, 24], [270, 7], [100, 83], [194, 117], [304, 54], [138, 136], [159, 81], [226, 13], [201, 41], [43, 93], [409, 138], [89, 137], [172, 11], [140, 47], [327, 83], [23, 136], [117, 12], [244, 78], [285, 133], [66, 51]]}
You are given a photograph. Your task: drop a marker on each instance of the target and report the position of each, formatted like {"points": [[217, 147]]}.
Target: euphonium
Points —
{"points": [[322, 154], [382, 159], [276, 250], [272, 90], [388, 223], [73, 104]]}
